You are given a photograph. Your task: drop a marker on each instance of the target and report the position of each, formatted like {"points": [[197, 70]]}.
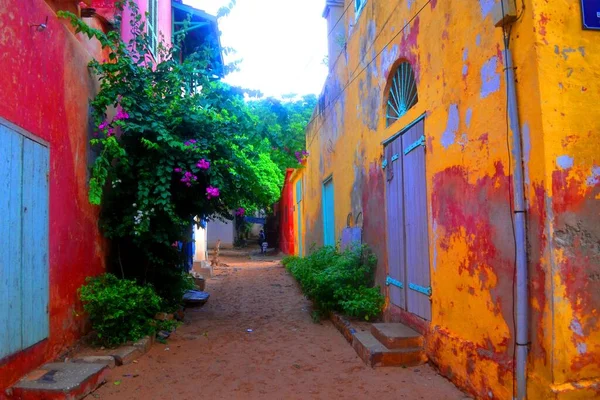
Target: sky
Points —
{"points": [[281, 44]]}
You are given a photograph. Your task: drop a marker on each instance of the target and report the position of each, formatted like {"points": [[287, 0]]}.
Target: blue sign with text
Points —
{"points": [[591, 14]]}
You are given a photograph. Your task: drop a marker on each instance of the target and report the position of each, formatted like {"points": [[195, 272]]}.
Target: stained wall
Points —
{"points": [[458, 57], [46, 88]]}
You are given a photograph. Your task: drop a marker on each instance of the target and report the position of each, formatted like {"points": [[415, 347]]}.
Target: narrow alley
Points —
{"points": [[285, 356]]}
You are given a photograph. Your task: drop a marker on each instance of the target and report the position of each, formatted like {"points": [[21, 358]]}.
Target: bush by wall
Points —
{"points": [[339, 281], [119, 309]]}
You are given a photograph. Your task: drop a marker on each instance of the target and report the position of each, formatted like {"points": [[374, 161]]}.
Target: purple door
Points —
{"points": [[395, 280], [407, 222], [418, 288]]}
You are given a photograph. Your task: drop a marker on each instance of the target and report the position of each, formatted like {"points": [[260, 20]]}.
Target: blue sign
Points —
{"points": [[591, 14], [255, 220]]}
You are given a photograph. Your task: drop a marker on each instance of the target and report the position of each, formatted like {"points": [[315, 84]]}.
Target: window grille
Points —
{"points": [[152, 23], [403, 93], [358, 7]]}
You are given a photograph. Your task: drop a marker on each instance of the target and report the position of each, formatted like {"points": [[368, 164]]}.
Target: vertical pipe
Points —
{"points": [[522, 300]]}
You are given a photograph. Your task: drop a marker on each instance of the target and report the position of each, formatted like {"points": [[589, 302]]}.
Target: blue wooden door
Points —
{"points": [[24, 237], [299, 215], [328, 213]]}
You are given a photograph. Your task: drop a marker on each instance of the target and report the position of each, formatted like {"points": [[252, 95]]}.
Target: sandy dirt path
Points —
{"points": [[286, 356]]}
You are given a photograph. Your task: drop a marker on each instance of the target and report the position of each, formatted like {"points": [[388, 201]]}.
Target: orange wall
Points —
{"points": [[457, 55]]}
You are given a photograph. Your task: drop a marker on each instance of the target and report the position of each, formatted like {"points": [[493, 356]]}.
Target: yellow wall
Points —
{"points": [[457, 55]]}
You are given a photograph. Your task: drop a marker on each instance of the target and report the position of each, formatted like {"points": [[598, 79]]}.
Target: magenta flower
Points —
{"points": [[212, 192], [177, 170], [190, 142], [188, 177], [103, 125], [203, 164], [121, 115], [240, 212]]}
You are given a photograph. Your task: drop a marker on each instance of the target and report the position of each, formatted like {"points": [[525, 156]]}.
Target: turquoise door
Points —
{"points": [[24, 238], [299, 215], [328, 213]]}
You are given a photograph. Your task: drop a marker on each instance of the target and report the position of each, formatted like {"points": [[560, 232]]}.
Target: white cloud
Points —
{"points": [[282, 43]]}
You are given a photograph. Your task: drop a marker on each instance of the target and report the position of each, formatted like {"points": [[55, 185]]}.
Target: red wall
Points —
{"points": [[286, 216], [45, 88]]}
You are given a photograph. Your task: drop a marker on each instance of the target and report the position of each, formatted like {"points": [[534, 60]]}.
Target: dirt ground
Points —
{"points": [[285, 356]]}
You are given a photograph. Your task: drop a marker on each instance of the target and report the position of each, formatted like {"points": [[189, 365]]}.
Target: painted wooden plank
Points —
{"points": [[328, 213], [34, 272], [416, 224], [11, 150], [299, 215], [401, 234], [394, 224]]}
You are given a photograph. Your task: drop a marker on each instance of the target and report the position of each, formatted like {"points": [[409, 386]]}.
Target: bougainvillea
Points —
{"points": [[178, 148]]}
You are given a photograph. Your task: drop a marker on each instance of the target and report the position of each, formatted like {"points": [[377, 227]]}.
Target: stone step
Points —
{"points": [[375, 354], [60, 381], [397, 336]]}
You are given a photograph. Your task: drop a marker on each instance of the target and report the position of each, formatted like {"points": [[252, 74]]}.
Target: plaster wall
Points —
{"points": [[46, 88], [458, 59]]}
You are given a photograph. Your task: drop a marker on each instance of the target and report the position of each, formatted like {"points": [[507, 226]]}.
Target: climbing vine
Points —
{"points": [[174, 145]]}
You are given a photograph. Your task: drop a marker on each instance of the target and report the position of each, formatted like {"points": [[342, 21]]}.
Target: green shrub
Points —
{"points": [[339, 281], [119, 309]]}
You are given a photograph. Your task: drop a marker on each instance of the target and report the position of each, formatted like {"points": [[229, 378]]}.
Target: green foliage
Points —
{"points": [[339, 281], [173, 144], [282, 124], [119, 309]]}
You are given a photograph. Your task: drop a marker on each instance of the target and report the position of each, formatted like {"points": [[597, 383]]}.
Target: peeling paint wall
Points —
{"points": [[458, 59], [46, 88]]}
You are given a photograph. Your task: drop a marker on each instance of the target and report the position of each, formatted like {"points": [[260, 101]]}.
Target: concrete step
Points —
{"points": [[397, 336], [375, 354], [60, 381]]}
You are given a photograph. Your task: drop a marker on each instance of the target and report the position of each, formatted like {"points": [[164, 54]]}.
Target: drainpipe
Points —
{"points": [[522, 290], [505, 14]]}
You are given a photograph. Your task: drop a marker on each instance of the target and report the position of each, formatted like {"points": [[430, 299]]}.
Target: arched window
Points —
{"points": [[403, 93]]}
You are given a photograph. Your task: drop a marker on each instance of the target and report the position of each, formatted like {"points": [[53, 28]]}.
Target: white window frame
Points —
{"points": [[359, 5], [152, 25]]}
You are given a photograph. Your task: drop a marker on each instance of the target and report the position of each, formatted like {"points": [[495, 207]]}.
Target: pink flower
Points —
{"points": [[103, 125], [240, 212], [177, 170], [110, 132], [203, 164], [121, 115], [212, 192]]}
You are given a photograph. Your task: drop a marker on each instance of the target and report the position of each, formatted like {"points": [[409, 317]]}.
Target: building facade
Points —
{"points": [[436, 116], [49, 231]]}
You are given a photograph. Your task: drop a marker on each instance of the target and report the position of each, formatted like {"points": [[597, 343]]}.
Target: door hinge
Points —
{"points": [[391, 281], [384, 164], [395, 157], [421, 289], [419, 142]]}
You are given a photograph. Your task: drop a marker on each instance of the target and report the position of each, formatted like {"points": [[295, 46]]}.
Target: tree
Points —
{"points": [[173, 145], [282, 124]]}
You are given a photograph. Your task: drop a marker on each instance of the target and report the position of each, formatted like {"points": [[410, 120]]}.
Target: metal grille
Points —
{"points": [[152, 22], [358, 6], [403, 93]]}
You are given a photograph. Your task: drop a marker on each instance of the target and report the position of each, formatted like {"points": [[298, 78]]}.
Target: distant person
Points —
{"points": [[262, 241]]}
